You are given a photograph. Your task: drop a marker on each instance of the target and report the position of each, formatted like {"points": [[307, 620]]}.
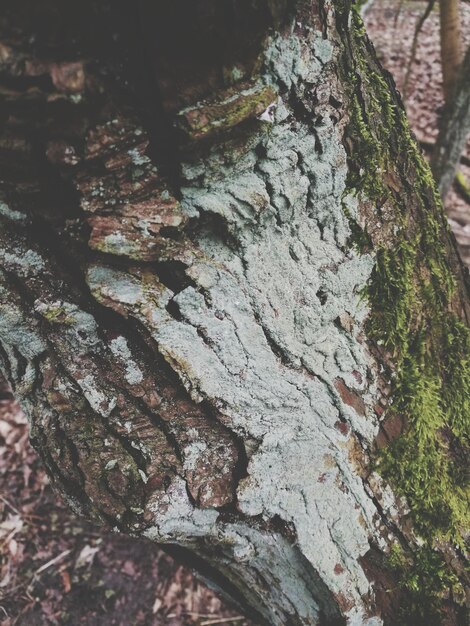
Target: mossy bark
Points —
{"points": [[231, 305]]}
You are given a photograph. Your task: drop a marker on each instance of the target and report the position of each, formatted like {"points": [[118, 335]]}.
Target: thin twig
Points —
{"points": [[52, 562], [10, 506], [222, 620]]}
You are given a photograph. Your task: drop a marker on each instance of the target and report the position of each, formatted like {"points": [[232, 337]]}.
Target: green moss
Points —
{"points": [[57, 315], [462, 185], [230, 108], [411, 291], [423, 581]]}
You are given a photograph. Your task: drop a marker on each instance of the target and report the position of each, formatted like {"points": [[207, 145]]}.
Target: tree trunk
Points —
{"points": [[451, 46], [453, 133], [230, 303]]}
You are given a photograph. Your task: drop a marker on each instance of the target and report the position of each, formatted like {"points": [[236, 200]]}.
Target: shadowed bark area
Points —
{"points": [[230, 304]]}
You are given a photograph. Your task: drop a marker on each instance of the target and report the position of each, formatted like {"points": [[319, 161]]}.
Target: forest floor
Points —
{"points": [[58, 570]]}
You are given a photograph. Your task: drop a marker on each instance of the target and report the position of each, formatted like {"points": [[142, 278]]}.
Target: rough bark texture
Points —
{"points": [[454, 132], [221, 296]]}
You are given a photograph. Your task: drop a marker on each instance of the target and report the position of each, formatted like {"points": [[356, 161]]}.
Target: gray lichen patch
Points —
{"points": [[120, 349], [21, 342], [79, 327], [176, 519], [11, 214], [25, 262], [270, 336], [261, 336], [139, 294], [98, 399], [231, 364], [263, 339]]}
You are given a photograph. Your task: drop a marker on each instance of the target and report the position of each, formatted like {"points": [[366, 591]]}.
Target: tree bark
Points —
{"points": [[451, 46], [230, 303], [453, 133]]}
